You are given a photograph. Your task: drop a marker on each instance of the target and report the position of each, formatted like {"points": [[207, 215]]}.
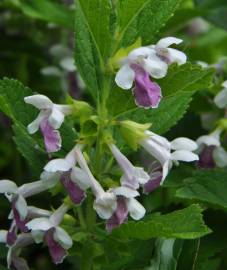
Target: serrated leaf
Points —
{"points": [[186, 224], [206, 186], [30, 149], [142, 18], [93, 41], [47, 11]]}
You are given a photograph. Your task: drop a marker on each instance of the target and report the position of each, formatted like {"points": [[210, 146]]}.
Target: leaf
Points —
{"points": [[47, 10], [206, 186], [178, 88], [30, 149], [166, 255], [12, 103], [186, 224], [142, 18]]}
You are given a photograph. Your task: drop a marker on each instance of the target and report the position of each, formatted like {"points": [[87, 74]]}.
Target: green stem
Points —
{"points": [[81, 217]]}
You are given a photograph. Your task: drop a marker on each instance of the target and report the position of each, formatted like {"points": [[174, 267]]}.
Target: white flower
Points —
{"points": [[160, 148], [221, 98], [153, 59]]}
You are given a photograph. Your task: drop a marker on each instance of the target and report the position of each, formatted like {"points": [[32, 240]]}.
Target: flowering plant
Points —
{"points": [[110, 182]]}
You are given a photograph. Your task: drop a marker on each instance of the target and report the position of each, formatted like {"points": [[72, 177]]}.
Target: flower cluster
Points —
{"points": [[145, 62]]}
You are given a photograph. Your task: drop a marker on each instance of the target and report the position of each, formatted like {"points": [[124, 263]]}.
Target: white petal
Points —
{"points": [[184, 143], [139, 53], [168, 41], [155, 66], [56, 118], [176, 56], [136, 210], [7, 186], [221, 99], [105, 205], [37, 236], [40, 224], [162, 141], [3, 235], [39, 101], [58, 165], [21, 206], [51, 71], [141, 176], [220, 157], [67, 63], [184, 155], [62, 237], [208, 140], [125, 77], [224, 84], [34, 126], [50, 178], [165, 170], [125, 191], [80, 177], [38, 212]]}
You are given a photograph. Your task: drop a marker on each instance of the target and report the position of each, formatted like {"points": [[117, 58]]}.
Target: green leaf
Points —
{"points": [[12, 103], [30, 149], [178, 88], [93, 41], [47, 10], [166, 255], [206, 186], [142, 18], [186, 224]]}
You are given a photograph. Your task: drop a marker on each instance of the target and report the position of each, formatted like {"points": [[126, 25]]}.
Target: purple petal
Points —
{"points": [[206, 160], [76, 194], [119, 216], [57, 252], [52, 138], [147, 93], [152, 184], [19, 263], [11, 236], [21, 224]]}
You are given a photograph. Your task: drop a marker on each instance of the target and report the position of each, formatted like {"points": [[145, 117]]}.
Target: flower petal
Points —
{"points": [[57, 165], [140, 53], [3, 235], [153, 184], [208, 140], [176, 56], [125, 77], [206, 159], [34, 126], [40, 224], [220, 157], [19, 263], [168, 41], [184, 143], [62, 237], [224, 84], [80, 177], [141, 176], [21, 206], [52, 138], [136, 210], [7, 186], [125, 192], [50, 179], [184, 155], [39, 101], [221, 99], [56, 118], [105, 205]]}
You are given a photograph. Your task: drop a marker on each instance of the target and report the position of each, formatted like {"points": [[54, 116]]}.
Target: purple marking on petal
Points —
{"points": [[21, 224], [151, 185], [76, 194], [147, 93], [206, 160], [11, 236], [52, 138], [57, 252], [19, 263], [119, 216]]}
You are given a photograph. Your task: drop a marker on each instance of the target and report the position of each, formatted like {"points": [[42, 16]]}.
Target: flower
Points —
{"points": [[155, 178], [143, 62], [72, 177], [133, 176], [105, 202], [160, 148], [221, 98], [49, 231], [16, 196], [211, 154], [49, 120]]}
